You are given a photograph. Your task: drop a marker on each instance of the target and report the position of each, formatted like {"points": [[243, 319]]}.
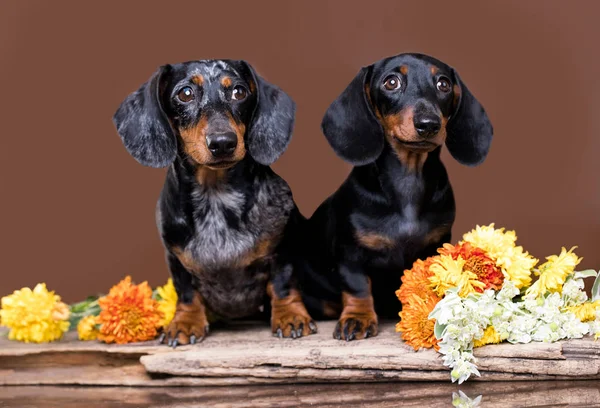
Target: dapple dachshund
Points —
{"points": [[227, 221]]}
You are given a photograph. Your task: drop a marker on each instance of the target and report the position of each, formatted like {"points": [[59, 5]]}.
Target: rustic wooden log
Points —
{"points": [[246, 353]]}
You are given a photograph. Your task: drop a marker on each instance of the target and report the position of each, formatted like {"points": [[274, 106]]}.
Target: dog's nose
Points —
{"points": [[427, 125], [222, 145]]}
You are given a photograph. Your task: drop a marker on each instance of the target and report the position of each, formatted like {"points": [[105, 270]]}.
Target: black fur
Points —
{"points": [[383, 195], [143, 125], [273, 120], [349, 119], [469, 129], [216, 210]]}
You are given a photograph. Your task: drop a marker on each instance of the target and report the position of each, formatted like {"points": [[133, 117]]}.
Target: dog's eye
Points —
{"points": [[443, 84], [392, 82], [239, 93], [186, 94]]}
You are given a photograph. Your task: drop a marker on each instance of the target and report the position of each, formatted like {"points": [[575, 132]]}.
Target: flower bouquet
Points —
{"points": [[480, 291], [128, 313]]}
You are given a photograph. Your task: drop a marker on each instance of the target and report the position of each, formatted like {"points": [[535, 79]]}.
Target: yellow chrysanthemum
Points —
{"points": [[128, 313], [87, 328], [495, 242], [35, 316], [490, 336], [586, 312], [554, 272], [167, 302], [449, 273], [516, 264]]}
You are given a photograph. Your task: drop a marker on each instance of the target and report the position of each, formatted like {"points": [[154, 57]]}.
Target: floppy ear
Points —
{"points": [[469, 131], [143, 125], [272, 122], [350, 125]]}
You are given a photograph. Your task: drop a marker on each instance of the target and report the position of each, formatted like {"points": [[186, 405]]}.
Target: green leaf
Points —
{"points": [[82, 306], [596, 289], [439, 330], [588, 273]]}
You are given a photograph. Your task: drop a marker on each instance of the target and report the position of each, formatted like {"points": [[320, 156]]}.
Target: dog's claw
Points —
{"points": [[300, 330], [175, 343], [312, 326], [280, 333], [162, 338], [192, 339]]}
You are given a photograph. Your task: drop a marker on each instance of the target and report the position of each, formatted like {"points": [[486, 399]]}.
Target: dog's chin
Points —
{"points": [[418, 146], [222, 165]]}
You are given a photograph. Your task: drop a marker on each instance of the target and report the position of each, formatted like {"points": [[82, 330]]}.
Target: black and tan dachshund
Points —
{"points": [[397, 204], [227, 221]]}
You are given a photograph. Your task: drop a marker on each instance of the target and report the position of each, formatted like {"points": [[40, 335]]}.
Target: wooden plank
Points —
{"points": [[246, 353]]}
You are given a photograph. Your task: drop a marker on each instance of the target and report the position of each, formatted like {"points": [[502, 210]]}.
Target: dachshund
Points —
{"points": [[227, 221], [397, 205]]}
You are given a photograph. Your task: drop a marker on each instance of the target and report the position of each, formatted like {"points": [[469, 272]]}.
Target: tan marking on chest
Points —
{"points": [[374, 241], [187, 260], [262, 250], [208, 177], [436, 234]]}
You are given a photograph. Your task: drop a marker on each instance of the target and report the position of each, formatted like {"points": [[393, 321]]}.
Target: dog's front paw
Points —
{"points": [[292, 323], [289, 317], [356, 327], [189, 326]]}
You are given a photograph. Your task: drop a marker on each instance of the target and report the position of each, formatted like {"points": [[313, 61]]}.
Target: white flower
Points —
{"points": [[573, 292], [461, 400], [460, 321], [508, 291]]}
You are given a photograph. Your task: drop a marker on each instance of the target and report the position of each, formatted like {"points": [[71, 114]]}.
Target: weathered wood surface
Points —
{"points": [[436, 395], [248, 354]]}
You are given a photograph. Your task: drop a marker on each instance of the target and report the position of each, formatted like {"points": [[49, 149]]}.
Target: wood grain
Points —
{"points": [[494, 395], [246, 353]]}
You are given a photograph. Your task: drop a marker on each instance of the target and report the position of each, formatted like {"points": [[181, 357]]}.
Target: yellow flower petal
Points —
{"points": [[586, 312], [168, 302], [35, 316], [449, 273], [490, 336], [515, 263], [87, 328], [554, 272]]}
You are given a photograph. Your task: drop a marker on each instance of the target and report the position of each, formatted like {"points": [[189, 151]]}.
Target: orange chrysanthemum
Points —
{"points": [[128, 313], [478, 262], [415, 325], [415, 281]]}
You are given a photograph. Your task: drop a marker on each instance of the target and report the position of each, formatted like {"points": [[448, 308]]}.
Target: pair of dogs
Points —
{"points": [[233, 234]]}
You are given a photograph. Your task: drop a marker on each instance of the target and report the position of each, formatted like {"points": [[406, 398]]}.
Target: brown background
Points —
{"points": [[77, 212]]}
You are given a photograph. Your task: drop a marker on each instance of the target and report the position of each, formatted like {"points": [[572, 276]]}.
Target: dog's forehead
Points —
{"points": [[211, 69], [419, 62]]}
